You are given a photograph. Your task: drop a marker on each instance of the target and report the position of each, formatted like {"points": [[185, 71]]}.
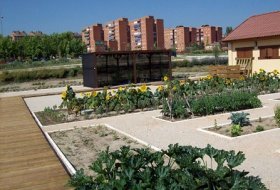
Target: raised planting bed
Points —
{"points": [[81, 146], [255, 126], [52, 116]]}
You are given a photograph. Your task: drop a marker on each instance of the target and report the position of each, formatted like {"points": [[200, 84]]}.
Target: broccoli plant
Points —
{"points": [[178, 167], [240, 118]]}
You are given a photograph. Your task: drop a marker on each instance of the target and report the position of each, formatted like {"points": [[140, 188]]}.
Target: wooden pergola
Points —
{"points": [[123, 67]]}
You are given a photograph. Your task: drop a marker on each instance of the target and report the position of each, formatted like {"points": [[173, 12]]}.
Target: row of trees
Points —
{"points": [[41, 47]]}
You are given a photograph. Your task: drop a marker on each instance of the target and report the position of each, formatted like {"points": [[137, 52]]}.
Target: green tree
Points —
{"points": [[228, 30]]}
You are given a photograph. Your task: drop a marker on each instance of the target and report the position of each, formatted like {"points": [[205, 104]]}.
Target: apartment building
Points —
{"points": [[16, 35], [147, 33], [117, 35], [179, 38], [93, 37], [208, 35]]}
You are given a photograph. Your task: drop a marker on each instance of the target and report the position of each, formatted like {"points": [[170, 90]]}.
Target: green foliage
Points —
{"points": [[259, 128], [240, 118], [277, 115], [184, 167], [41, 47], [53, 114], [23, 76], [225, 101], [235, 130]]}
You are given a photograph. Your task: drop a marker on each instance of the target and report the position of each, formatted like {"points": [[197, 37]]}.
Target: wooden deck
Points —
{"points": [[26, 159]]}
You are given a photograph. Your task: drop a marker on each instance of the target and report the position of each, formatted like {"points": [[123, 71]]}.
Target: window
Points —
{"points": [[245, 52], [269, 52]]}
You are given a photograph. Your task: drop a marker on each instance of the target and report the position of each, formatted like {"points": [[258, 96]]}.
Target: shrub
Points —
{"points": [[225, 101], [259, 128], [240, 118], [235, 130], [184, 168], [277, 115]]}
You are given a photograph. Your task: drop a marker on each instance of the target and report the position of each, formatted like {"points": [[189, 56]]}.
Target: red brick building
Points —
{"points": [[208, 35], [117, 35], [147, 33], [179, 38], [93, 37]]}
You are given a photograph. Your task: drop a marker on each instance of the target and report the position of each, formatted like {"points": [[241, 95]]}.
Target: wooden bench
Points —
{"points": [[245, 65], [233, 71]]}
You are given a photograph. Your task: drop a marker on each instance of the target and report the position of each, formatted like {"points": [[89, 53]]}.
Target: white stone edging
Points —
{"points": [[59, 153], [204, 129]]}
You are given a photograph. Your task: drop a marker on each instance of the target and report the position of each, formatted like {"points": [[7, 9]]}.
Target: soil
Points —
{"points": [[82, 146], [267, 124]]}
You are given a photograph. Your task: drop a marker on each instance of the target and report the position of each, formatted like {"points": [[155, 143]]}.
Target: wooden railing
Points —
{"points": [[245, 65]]}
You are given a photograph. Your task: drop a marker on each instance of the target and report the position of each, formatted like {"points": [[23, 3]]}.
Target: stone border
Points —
{"points": [[70, 168], [204, 129], [203, 117]]}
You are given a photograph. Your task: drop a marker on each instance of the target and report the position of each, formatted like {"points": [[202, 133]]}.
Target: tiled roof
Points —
{"points": [[264, 25]]}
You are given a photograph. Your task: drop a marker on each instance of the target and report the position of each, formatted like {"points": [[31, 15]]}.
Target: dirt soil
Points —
{"points": [[81, 146], [267, 124]]}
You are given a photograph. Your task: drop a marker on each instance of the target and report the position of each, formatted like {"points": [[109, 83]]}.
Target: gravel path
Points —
{"points": [[262, 150]]}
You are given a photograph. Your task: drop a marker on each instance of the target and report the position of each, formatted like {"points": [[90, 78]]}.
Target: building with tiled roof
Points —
{"points": [[257, 38]]}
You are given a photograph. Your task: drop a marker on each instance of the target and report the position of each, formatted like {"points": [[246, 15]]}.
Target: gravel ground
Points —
{"points": [[261, 150]]}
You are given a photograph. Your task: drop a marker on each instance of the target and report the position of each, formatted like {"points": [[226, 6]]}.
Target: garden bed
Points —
{"points": [[82, 146], [57, 116], [259, 125]]}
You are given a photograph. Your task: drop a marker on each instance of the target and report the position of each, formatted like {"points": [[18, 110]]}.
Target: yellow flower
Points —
{"points": [[276, 72], [209, 77], [261, 70], [88, 94], [63, 94], [108, 97], [165, 78], [228, 81], [160, 88], [241, 78], [174, 88], [143, 88], [94, 93], [120, 89]]}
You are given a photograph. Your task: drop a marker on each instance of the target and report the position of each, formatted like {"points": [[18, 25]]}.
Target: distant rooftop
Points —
{"points": [[263, 25]]}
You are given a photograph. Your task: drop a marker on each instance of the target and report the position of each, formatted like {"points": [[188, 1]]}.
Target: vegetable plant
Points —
{"points": [[240, 118], [235, 130], [178, 167]]}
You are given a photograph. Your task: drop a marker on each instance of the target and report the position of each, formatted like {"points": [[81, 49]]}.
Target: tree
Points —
{"points": [[216, 53], [228, 30]]}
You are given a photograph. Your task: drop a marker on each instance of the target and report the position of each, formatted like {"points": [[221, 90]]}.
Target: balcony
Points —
{"points": [[111, 25], [137, 33]]}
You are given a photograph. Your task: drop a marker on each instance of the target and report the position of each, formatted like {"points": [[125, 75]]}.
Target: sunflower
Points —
{"points": [[241, 78], [174, 88], [143, 88], [94, 93], [108, 97], [209, 77], [261, 70], [120, 89], [160, 88], [275, 72], [63, 95], [165, 78]]}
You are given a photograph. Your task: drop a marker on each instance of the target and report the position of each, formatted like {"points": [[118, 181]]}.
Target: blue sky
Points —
{"points": [[52, 16]]}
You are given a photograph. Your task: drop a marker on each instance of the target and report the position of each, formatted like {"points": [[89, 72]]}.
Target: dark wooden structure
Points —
{"points": [[124, 67], [232, 71]]}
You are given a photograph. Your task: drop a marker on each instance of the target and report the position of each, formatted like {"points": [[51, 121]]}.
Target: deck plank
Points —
{"points": [[26, 159]]}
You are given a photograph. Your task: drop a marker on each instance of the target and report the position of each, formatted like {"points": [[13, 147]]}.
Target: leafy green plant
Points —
{"points": [[277, 115], [178, 167], [235, 130], [259, 128], [240, 118]]}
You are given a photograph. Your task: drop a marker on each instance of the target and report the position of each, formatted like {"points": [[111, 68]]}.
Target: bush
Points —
{"points": [[240, 119], [259, 128], [22, 76], [235, 130], [226, 101], [277, 115], [184, 168]]}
